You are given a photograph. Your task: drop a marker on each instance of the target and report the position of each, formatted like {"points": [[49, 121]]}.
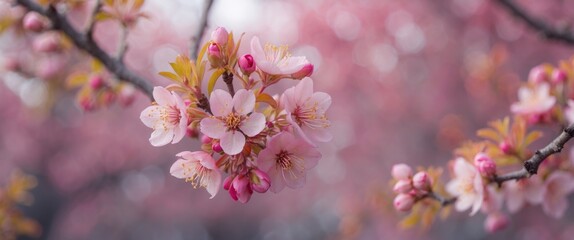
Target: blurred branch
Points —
{"points": [[196, 39], [545, 29], [92, 21], [530, 166], [123, 47], [82, 41]]}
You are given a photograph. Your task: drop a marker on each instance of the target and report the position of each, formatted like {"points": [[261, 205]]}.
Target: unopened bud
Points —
{"points": [[506, 147], [401, 171], [205, 139], [538, 75], [240, 189], [485, 164], [495, 222], [403, 186], [214, 55], [422, 181], [87, 104], [305, 71], [219, 36], [47, 42], [247, 64], [559, 76], [34, 22], [96, 82], [404, 202], [217, 147], [260, 181]]}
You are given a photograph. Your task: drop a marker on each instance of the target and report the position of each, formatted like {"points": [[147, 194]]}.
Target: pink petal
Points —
{"points": [[205, 159], [221, 103], [214, 183], [150, 116], [269, 67], [287, 102], [318, 135], [464, 202], [163, 97], [323, 101], [243, 102], [295, 177], [178, 169], [562, 183], [555, 206], [253, 124], [277, 181], [233, 142], [257, 51], [293, 64], [180, 130], [303, 91], [161, 137], [212, 127], [535, 190]]}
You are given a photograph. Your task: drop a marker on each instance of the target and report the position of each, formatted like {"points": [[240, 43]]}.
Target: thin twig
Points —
{"points": [[196, 39], [545, 29], [442, 200], [82, 42], [123, 46], [228, 79], [92, 21]]}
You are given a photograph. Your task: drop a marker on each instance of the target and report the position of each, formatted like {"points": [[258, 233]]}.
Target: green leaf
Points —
{"points": [[213, 80]]}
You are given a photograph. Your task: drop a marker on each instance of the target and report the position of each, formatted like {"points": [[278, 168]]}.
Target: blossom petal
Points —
{"points": [[292, 65], [243, 101], [277, 181], [464, 202], [214, 183], [150, 115], [535, 190], [303, 91], [323, 101], [233, 142], [555, 206], [161, 137], [180, 169], [253, 124], [221, 103], [163, 97], [212, 127]]}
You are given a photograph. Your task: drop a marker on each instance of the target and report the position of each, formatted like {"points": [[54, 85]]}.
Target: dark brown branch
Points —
{"points": [[82, 41], [228, 79], [123, 46], [92, 21], [196, 39], [442, 200], [547, 31]]}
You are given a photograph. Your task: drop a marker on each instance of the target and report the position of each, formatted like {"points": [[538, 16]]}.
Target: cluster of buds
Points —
{"points": [[409, 188], [262, 142]]}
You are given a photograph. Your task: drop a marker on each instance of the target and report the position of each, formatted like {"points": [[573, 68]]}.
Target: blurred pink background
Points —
{"points": [[410, 81]]}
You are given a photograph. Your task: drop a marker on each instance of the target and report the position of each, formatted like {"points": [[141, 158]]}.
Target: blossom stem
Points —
{"points": [[228, 79], [123, 46], [545, 29], [92, 22], [442, 200], [196, 39], [82, 41]]}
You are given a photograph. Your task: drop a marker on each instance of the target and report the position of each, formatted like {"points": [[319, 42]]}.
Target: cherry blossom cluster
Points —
{"points": [[261, 142], [482, 176]]}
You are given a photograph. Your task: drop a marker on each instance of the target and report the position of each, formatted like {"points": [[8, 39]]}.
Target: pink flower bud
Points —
{"points": [[127, 95], [96, 82], [219, 36], [247, 64], [260, 181], [506, 147], [404, 202], [485, 164], [87, 104], [11, 64], [214, 55], [538, 75], [108, 97], [305, 71], [240, 189], [403, 186], [559, 76], [227, 182], [216, 147], [192, 132], [422, 181], [47, 42], [495, 222], [205, 139], [401, 171], [34, 22]]}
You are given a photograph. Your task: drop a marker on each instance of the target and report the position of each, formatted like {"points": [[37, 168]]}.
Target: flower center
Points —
{"points": [[276, 54], [200, 176], [232, 121], [309, 116], [283, 159]]}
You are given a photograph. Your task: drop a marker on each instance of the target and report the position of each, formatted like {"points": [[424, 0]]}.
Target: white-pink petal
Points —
{"points": [[212, 127], [253, 124], [161, 137], [221, 103], [232, 142], [243, 101], [178, 169], [163, 97]]}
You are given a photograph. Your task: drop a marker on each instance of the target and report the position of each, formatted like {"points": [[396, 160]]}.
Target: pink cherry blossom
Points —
{"points": [[558, 186], [529, 190], [198, 168], [240, 189], [276, 60], [286, 159], [168, 117], [467, 186], [232, 120], [401, 171], [535, 100], [495, 221], [306, 111]]}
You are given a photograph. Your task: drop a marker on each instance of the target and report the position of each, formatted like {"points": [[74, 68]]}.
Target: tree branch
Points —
{"points": [[92, 21], [82, 41], [196, 39], [547, 31]]}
